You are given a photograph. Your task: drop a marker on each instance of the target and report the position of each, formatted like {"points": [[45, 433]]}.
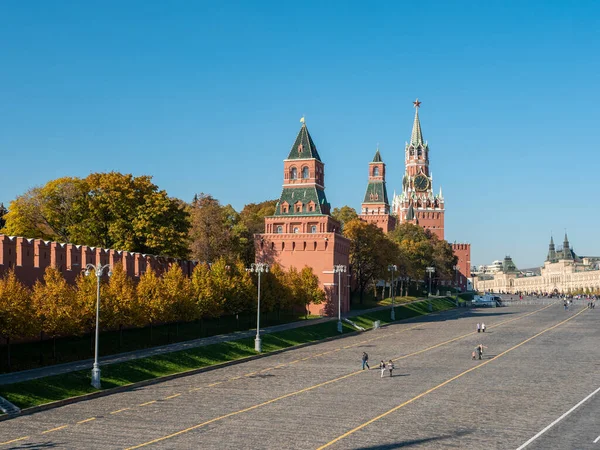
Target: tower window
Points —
{"points": [[294, 173], [305, 172], [313, 228], [376, 172], [279, 229], [296, 230]]}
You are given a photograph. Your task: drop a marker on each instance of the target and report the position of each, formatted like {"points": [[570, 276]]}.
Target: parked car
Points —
{"points": [[487, 300]]}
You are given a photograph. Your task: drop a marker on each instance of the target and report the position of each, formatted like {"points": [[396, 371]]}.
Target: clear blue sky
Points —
{"points": [[207, 97]]}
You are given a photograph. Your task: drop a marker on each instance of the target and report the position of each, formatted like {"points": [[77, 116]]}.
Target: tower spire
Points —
{"points": [[416, 137]]}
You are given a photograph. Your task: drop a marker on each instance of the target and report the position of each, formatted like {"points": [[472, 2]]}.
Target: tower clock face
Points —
{"points": [[421, 183]]}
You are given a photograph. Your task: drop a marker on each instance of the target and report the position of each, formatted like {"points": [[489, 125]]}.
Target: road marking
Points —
{"points": [[250, 374], [561, 418], [435, 388], [148, 403], [235, 378], [55, 429], [597, 439], [310, 388], [172, 396], [214, 384], [14, 440], [86, 420]]}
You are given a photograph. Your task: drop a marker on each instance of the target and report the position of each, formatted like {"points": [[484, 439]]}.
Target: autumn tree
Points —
{"points": [[55, 306], [241, 294], [416, 247], [310, 291], [3, 212], [16, 310], [86, 296], [109, 210], [344, 215], [148, 291], [202, 292], [252, 218], [215, 230], [176, 296], [275, 295], [48, 212], [119, 305], [370, 253]]}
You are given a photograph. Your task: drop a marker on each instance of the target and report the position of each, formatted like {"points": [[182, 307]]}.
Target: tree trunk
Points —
{"points": [[8, 353], [41, 347], [202, 327], [177, 329], [120, 336], [151, 329], [279, 315], [54, 348], [237, 322]]}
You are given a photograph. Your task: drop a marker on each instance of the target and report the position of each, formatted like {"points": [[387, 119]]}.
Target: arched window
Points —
{"points": [[376, 172], [313, 228], [279, 229], [305, 172], [294, 173], [419, 152]]}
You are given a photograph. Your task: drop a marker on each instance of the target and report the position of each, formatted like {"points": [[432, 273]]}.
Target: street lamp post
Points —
{"points": [[259, 268], [392, 268], [430, 270], [339, 269], [98, 270]]}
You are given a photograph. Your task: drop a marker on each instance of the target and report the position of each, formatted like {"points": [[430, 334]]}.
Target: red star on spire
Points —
{"points": [[417, 103]]}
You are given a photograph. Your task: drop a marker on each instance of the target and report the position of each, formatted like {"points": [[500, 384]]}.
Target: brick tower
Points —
{"points": [[417, 185], [375, 207], [302, 232]]}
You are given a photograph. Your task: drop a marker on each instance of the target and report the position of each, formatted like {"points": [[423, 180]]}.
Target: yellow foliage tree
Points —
{"points": [[16, 310], [119, 305], [176, 297], [56, 309], [149, 295]]}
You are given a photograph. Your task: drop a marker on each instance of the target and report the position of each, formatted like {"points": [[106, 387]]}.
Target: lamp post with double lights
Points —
{"points": [[258, 268], [392, 268], [430, 270], [339, 269], [98, 270]]}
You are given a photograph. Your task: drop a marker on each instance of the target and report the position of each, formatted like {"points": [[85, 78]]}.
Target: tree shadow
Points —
{"points": [[415, 442], [35, 445]]}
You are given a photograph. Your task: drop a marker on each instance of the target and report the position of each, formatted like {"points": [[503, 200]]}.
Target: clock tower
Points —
{"points": [[417, 195]]}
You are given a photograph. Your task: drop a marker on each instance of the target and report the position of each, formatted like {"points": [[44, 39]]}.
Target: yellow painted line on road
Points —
{"points": [[119, 410], [172, 396], [450, 380], [293, 362], [148, 403], [250, 374], [14, 440], [235, 378], [55, 429], [310, 388], [214, 384], [86, 420], [235, 413]]}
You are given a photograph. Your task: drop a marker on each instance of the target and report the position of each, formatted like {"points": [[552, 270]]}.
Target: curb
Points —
{"points": [[138, 384]]}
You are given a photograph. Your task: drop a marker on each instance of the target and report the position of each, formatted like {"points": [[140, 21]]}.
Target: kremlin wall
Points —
{"points": [[30, 257]]}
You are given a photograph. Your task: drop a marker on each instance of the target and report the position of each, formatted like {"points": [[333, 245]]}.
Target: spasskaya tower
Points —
{"points": [[417, 203]]}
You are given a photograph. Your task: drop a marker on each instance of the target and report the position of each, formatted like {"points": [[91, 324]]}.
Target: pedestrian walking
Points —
{"points": [[365, 361], [478, 327], [473, 355], [480, 348], [390, 367], [382, 367], [482, 327]]}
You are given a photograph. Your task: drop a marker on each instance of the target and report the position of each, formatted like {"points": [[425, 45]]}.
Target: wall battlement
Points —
{"points": [[30, 257], [463, 252]]}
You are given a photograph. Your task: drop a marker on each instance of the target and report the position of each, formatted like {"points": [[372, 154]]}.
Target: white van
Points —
{"points": [[487, 300]]}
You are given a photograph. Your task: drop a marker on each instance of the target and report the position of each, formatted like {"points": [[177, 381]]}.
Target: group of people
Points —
{"points": [[383, 366], [481, 327]]}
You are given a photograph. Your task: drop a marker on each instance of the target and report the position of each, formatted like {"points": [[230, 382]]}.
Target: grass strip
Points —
{"points": [[44, 390]]}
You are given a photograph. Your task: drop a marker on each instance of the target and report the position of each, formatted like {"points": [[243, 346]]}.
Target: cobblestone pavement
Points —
{"points": [[438, 397]]}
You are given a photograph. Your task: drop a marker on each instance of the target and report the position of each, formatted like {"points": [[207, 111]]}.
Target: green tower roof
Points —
{"points": [[304, 147]]}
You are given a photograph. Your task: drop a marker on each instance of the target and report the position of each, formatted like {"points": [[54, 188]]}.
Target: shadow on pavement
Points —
{"points": [[33, 445], [415, 442]]}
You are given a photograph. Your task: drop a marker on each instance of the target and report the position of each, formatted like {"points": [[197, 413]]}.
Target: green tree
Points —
{"points": [[109, 210], [275, 295], [119, 305], [252, 221], [344, 215], [49, 212], [370, 253], [56, 308], [16, 311], [416, 247]]}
